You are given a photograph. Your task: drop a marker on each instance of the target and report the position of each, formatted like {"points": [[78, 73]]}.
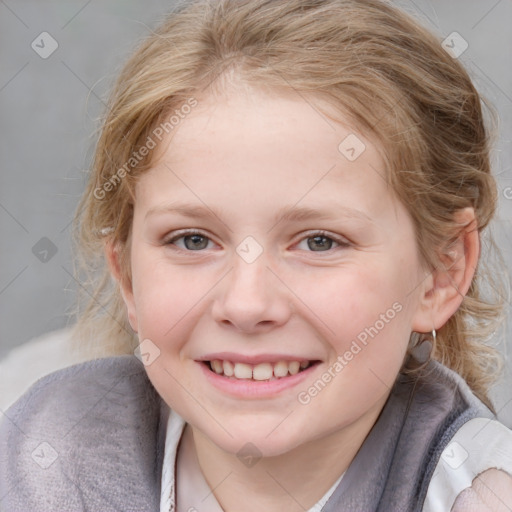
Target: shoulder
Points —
{"points": [[66, 395], [81, 423], [447, 437], [474, 468], [472, 452], [491, 491], [440, 388]]}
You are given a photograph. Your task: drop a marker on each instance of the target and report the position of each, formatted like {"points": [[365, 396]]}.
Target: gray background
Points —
{"points": [[48, 109]]}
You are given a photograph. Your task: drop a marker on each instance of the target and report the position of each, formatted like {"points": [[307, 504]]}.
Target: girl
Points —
{"points": [[290, 197]]}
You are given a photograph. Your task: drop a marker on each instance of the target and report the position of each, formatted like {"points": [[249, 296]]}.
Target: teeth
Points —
{"points": [[228, 368], [262, 371], [243, 371], [293, 367], [217, 366], [281, 369]]}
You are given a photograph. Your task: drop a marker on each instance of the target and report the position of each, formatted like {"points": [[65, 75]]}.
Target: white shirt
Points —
{"points": [[480, 444], [194, 494]]}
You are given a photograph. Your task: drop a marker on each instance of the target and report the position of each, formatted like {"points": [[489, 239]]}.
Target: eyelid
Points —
{"points": [[341, 240], [185, 231], [175, 235]]}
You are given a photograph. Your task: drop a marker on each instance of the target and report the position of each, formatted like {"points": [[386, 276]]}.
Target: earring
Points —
{"points": [[423, 350], [414, 340]]}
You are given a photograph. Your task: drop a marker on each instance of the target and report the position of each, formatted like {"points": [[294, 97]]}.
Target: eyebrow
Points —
{"points": [[287, 213]]}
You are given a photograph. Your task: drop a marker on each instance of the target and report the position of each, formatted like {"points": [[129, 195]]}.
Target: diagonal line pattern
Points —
{"points": [[96, 403], [212, 212], [66, 226], [75, 15], [480, 480], [280, 423], [90, 89], [305, 194], [198, 301], [420, 282], [402, 97], [14, 487], [13, 279], [332, 332], [197, 401], [94, 299], [491, 81], [12, 12], [384, 179], [216, 487], [384, 383], [77, 214], [14, 76], [486, 14], [286, 491], [324, 118], [219, 74], [489, 420], [13, 218], [419, 9], [4, 413]]}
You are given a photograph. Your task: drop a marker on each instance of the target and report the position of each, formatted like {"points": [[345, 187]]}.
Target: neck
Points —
{"points": [[293, 481]]}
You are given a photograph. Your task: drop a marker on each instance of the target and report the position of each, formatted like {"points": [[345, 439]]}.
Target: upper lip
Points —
{"points": [[254, 359]]}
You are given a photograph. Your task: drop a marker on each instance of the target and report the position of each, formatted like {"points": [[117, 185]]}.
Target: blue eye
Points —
{"points": [[192, 241], [320, 242]]}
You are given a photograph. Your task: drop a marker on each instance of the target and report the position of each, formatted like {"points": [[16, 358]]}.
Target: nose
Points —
{"points": [[252, 299]]}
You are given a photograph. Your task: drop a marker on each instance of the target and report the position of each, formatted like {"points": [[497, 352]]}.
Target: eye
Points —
{"points": [[196, 241], [321, 241], [188, 240]]}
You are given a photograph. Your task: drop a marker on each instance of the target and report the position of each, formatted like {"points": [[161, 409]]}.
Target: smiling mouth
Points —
{"points": [[258, 372]]}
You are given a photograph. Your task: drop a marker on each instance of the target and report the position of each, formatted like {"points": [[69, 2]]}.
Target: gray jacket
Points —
{"points": [[91, 438]]}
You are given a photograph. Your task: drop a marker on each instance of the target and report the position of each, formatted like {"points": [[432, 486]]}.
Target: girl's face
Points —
{"points": [[267, 243]]}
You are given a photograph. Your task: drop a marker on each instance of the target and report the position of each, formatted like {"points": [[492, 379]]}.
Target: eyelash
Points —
{"points": [[342, 243]]}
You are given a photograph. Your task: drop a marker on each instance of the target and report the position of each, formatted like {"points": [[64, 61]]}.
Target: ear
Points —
{"points": [[113, 260], [445, 288]]}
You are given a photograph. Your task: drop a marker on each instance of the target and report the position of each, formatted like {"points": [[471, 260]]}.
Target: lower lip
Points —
{"points": [[245, 388]]}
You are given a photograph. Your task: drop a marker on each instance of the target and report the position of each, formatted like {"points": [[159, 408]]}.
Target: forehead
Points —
{"points": [[270, 148], [238, 122]]}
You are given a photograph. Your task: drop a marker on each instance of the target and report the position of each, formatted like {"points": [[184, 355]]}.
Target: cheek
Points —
{"points": [[347, 301], [365, 317], [167, 298]]}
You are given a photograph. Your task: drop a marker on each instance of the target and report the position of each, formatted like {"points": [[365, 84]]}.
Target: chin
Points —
{"points": [[258, 440]]}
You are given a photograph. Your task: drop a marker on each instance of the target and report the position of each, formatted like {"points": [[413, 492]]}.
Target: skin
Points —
{"points": [[491, 492], [246, 156]]}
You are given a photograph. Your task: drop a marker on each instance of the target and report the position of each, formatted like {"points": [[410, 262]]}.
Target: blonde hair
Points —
{"points": [[369, 60]]}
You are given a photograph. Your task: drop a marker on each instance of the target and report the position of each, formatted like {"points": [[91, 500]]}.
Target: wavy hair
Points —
{"points": [[372, 62]]}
